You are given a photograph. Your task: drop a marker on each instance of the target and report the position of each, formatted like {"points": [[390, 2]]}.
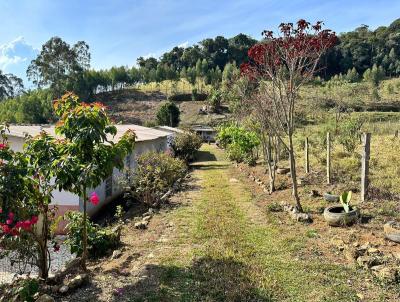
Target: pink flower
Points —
{"points": [[34, 220], [9, 221], [3, 146], [94, 198], [1, 210], [11, 215]]}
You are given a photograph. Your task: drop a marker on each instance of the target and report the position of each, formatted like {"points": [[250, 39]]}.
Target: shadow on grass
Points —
{"points": [[203, 156], [206, 280]]}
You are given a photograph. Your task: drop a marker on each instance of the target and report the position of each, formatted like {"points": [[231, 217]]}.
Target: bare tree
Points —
{"points": [[280, 66]]}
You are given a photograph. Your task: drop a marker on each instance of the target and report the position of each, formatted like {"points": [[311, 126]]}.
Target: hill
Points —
{"points": [[135, 106]]}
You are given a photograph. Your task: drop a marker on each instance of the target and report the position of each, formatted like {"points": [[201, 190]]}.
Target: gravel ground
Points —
{"points": [[58, 259]]}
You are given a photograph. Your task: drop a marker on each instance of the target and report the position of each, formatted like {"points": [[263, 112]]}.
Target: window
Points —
{"points": [[109, 188]]}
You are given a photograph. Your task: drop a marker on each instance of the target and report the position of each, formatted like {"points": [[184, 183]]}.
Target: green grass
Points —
{"points": [[234, 252]]}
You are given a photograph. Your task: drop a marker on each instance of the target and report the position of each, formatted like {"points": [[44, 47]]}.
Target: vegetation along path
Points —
{"points": [[218, 245]]}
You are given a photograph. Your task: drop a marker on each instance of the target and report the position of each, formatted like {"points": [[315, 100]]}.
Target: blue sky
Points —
{"points": [[119, 31]]}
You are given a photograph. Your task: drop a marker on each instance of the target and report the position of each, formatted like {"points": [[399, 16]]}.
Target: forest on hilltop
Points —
{"points": [[61, 67]]}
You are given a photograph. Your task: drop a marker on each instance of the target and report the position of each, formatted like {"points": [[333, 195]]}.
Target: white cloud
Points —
{"points": [[15, 56]]}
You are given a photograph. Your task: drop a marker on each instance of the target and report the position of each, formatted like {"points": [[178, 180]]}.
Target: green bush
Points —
{"points": [[168, 114], [100, 239], [155, 174], [239, 143], [25, 290], [350, 133], [185, 145]]}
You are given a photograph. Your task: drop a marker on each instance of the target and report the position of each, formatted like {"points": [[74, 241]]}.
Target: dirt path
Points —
{"points": [[215, 244]]}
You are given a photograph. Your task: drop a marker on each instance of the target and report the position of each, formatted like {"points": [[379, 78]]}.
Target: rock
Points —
{"points": [[386, 273], [45, 298], [351, 254], [338, 243], [303, 217], [282, 170], [78, 281], [73, 263], [392, 231], [368, 261], [396, 255], [116, 254], [63, 289], [147, 218], [141, 225], [373, 250], [54, 289], [314, 193]]}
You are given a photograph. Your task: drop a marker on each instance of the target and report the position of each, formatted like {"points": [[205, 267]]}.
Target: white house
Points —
{"points": [[147, 139], [171, 131], [207, 133]]}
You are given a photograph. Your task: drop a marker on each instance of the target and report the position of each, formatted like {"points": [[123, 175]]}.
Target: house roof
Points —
{"points": [[142, 133], [170, 129], [203, 128]]}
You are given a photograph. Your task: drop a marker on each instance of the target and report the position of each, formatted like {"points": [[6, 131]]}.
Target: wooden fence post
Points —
{"points": [[328, 158], [366, 146], [307, 163]]}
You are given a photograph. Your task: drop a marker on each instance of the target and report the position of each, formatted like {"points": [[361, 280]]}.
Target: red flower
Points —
{"points": [[56, 247], [34, 220], [94, 198], [11, 215], [3, 146], [6, 228], [1, 210], [9, 221]]}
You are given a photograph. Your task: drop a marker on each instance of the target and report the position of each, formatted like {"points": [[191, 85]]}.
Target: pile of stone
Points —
{"points": [[295, 214], [385, 267], [145, 219]]}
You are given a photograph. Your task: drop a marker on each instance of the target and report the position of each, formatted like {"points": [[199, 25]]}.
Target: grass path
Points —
{"points": [[224, 248]]}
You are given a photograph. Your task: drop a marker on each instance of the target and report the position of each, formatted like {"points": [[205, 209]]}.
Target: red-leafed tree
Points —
{"points": [[280, 65]]}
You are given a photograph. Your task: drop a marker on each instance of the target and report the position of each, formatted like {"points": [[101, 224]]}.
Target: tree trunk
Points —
{"points": [[84, 233], [293, 173], [267, 150], [41, 238]]}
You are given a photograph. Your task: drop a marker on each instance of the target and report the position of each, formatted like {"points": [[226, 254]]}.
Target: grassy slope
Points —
{"points": [[139, 106], [228, 250]]}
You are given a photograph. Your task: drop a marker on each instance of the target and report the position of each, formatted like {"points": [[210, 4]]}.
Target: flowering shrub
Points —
{"points": [[88, 154]]}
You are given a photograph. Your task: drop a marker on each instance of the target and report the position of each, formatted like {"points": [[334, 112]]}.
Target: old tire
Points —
{"points": [[331, 197], [391, 232], [336, 216]]}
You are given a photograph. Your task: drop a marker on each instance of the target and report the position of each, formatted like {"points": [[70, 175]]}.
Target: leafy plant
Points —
{"points": [[239, 142], [100, 240], [350, 133], [88, 156], [168, 114], [345, 199], [155, 174], [185, 145]]}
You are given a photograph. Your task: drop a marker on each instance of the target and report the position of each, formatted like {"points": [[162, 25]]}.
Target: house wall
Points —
{"points": [[67, 201], [158, 145]]}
